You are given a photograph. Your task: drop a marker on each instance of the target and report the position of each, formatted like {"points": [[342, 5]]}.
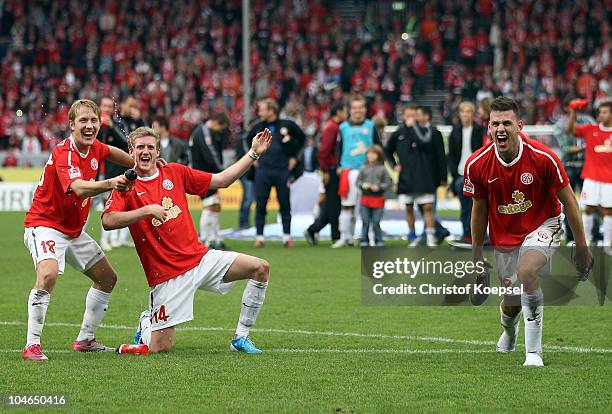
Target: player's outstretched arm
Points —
{"points": [[84, 188], [583, 257], [120, 157], [260, 145], [119, 219]]}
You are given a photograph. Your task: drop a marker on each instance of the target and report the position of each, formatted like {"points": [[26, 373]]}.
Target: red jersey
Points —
{"points": [[521, 194], [327, 150], [55, 205], [598, 153], [166, 249]]}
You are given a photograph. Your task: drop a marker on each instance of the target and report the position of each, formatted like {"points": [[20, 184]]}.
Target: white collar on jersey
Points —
{"points": [[603, 128], [73, 145], [150, 177], [514, 161]]}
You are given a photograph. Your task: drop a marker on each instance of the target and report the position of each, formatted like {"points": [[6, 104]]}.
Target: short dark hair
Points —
{"points": [[426, 110], [502, 103], [221, 119], [335, 108], [162, 121], [605, 103]]}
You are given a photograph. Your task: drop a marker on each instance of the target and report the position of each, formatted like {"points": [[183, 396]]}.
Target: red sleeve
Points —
{"points": [[116, 202], [103, 151], [196, 182], [327, 153], [555, 173], [472, 186], [581, 130], [67, 169]]}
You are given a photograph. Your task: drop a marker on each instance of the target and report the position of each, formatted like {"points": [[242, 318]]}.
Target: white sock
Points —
{"points": [[115, 238], [124, 235], [205, 225], [38, 302], [105, 236], [533, 315], [353, 223], [96, 305], [607, 231], [213, 217], [344, 223], [286, 238], [145, 330], [509, 322], [587, 222], [430, 233], [252, 300]]}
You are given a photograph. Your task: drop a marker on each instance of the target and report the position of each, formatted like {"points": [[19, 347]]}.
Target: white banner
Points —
{"points": [[16, 196]]}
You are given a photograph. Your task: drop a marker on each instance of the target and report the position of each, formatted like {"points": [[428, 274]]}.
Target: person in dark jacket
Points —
{"points": [[114, 129], [422, 168], [277, 167], [206, 144], [465, 138], [172, 149]]}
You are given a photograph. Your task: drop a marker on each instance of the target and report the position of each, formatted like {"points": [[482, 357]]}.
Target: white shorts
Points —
{"points": [[418, 198], [46, 243], [545, 239], [352, 198], [171, 302], [211, 200], [596, 193]]}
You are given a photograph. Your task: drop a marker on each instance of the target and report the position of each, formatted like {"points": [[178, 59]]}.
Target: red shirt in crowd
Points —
{"points": [[327, 150]]}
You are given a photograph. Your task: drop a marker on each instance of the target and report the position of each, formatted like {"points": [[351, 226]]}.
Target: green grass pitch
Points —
{"points": [[324, 351]]}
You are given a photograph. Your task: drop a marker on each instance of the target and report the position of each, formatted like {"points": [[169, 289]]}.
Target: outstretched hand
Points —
{"points": [[262, 141]]}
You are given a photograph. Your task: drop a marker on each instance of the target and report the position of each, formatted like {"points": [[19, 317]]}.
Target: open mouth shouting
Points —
{"points": [[88, 133], [501, 139], [145, 161]]}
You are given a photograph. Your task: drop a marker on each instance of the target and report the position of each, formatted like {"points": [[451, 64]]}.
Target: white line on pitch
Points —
{"points": [[577, 349]]}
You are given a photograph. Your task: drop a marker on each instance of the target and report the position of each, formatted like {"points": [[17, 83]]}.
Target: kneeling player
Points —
{"points": [[175, 262], [516, 184]]}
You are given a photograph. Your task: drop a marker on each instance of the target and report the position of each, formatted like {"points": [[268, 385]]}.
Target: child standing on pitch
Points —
{"points": [[373, 180]]}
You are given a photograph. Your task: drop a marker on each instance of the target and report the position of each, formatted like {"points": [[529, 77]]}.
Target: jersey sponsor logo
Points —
{"points": [[108, 203], [74, 172], [173, 211], [94, 164], [520, 205], [468, 187], [526, 178], [606, 147], [167, 184]]}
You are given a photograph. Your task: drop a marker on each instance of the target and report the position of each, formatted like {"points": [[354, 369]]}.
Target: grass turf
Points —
{"points": [[323, 351]]}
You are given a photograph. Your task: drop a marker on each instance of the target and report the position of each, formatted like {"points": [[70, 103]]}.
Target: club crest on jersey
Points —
{"points": [[520, 205], [468, 187], [526, 178], [94, 164], [74, 172], [173, 211], [167, 184]]}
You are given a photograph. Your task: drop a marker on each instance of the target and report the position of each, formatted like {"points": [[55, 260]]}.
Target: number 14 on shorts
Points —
{"points": [[159, 315]]}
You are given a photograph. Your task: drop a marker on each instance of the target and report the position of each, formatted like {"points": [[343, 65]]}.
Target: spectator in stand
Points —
{"points": [[206, 144], [277, 167], [464, 139], [373, 180], [330, 210], [357, 134], [171, 149], [421, 167]]}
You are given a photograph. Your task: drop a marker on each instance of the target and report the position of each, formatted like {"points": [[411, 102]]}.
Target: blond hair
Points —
{"points": [[467, 105], [80, 103], [378, 150], [140, 133]]}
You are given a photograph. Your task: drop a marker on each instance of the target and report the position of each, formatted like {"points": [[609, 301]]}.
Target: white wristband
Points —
{"points": [[253, 154]]}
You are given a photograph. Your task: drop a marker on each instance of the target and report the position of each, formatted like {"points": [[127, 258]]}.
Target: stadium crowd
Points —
{"points": [[179, 64]]}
